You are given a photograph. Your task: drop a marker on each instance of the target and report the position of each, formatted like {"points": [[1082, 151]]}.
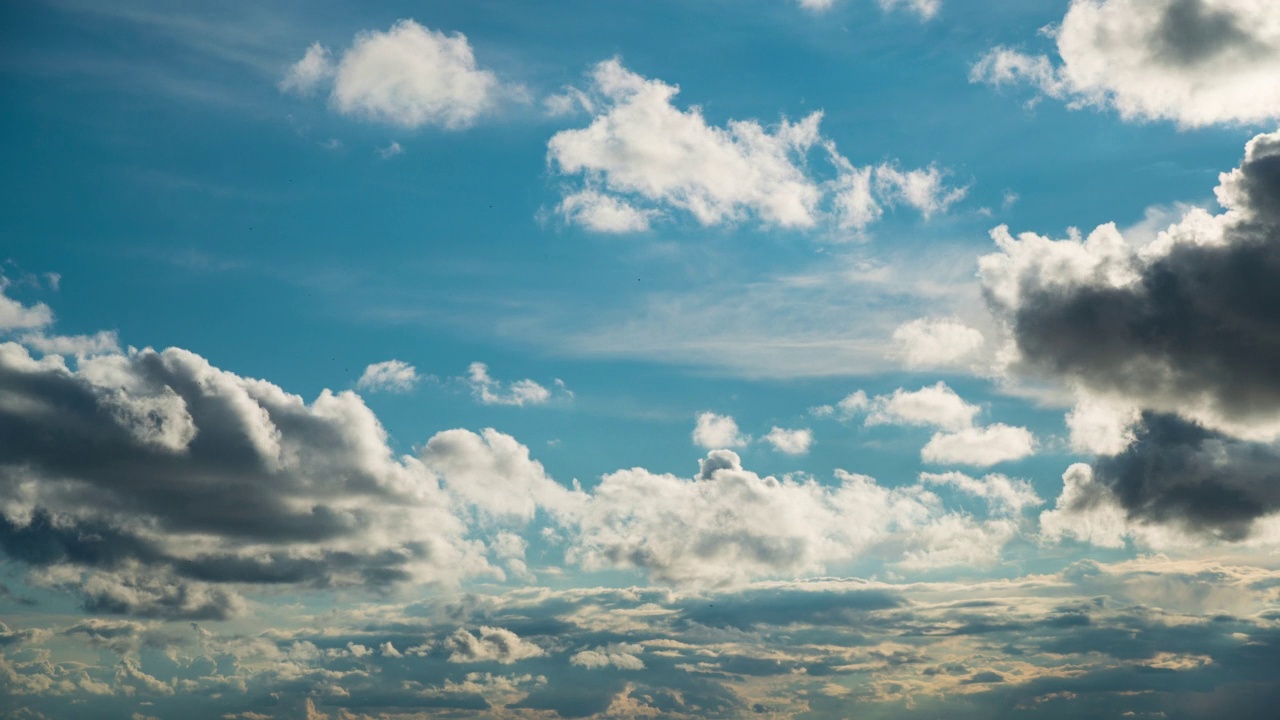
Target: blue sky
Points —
{"points": [[812, 359]]}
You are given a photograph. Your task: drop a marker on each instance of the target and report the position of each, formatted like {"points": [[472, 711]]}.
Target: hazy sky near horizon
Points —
{"points": [[678, 359]]}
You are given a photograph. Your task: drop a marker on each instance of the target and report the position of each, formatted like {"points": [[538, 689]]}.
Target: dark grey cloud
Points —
{"points": [[159, 476], [1186, 329], [1178, 472], [1191, 32], [1200, 323]]}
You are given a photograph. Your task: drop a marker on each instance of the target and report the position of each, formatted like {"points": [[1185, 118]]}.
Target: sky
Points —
{"points": [[677, 359]]}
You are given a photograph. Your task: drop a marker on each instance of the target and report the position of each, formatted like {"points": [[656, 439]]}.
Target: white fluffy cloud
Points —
{"points": [[979, 446], [729, 525], [791, 442], [714, 431], [623, 656], [519, 392], [16, 316], [958, 441], [409, 76], [489, 644], [932, 406], [1085, 511], [937, 342], [494, 473], [642, 158], [1196, 62], [389, 376]]}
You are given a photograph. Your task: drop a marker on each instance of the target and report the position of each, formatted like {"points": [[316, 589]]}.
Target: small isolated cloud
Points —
{"points": [[642, 158], [390, 376], [933, 406], [937, 343], [714, 432], [1195, 62], [791, 442], [489, 644], [979, 446], [849, 406], [410, 76], [925, 9], [390, 151], [623, 656], [518, 393]]}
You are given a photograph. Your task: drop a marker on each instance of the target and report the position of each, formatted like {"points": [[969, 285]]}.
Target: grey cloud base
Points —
{"points": [[156, 474]]}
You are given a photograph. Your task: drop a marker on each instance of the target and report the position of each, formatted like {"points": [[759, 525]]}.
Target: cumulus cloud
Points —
{"points": [[979, 446], [932, 406], [958, 441], [1195, 62], [189, 476], [390, 376], [848, 406], [494, 473], [791, 442], [937, 343], [410, 76], [1170, 345], [642, 158], [623, 656], [729, 525], [1186, 324], [714, 431], [489, 644], [518, 393]]}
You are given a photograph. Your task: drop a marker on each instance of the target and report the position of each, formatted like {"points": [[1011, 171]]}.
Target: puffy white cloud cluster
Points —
{"points": [[642, 158], [489, 391], [958, 439], [1195, 62], [410, 76]]}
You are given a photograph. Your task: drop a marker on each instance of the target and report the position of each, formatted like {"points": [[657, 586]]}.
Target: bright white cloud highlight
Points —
{"points": [[490, 644], [410, 76], [980, 447], [642, 158], [1195, 62], [936, 342], [934, 406], [389, 376], [714, 431], [790, 442]]}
